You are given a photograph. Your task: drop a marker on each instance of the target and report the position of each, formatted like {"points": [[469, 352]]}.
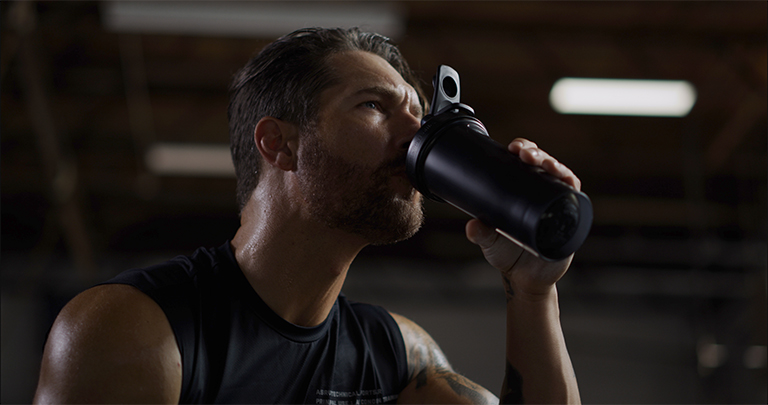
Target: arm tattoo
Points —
{"points": [[465, 388], [512, 389], [427, 365], [458, 383], [417, 363]]}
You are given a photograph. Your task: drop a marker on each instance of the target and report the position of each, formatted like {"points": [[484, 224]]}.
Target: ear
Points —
{"points": [[277, 142]]}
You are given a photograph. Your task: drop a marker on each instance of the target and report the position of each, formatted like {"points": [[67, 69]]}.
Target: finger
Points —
{"points": [[520, 143], [573, 181], [528, 151], [562, 172], [531, 154]]}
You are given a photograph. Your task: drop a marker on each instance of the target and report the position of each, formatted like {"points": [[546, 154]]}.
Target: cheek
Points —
{"points": [[360, 144]]}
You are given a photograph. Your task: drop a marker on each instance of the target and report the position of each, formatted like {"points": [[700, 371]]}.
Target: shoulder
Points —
{"points": [[107, 309], [422, 350], [105, 343], [198, 267]]}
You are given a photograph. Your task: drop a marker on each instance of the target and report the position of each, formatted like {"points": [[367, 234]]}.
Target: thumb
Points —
{"points": [[499, 251], [480, 234]]}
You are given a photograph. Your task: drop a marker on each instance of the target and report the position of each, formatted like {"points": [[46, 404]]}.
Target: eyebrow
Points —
{"points": [[389, 93], [382, 91]]}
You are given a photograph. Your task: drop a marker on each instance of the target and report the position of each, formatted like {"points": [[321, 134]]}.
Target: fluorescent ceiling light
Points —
{"points": [[660, 98], [181, 159], [250, 18]]}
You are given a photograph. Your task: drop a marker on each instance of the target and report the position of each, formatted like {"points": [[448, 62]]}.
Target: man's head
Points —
{"points": [[285, 80], [350, 166]]}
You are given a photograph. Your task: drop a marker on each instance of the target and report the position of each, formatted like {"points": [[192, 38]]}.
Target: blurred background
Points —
{"points": [[114, 155]]}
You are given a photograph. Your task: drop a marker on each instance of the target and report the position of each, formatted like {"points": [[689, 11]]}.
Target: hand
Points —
{"points": [[523, 272]]}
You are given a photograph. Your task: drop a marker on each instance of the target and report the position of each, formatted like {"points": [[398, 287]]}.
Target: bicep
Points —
{"points": [[110, 344], [431, 378]]}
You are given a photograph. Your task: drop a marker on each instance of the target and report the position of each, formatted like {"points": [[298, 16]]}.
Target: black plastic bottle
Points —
{"points": [[452, 159]]}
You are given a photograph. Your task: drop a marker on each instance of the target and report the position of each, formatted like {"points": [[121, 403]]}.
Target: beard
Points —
{"points": [[356, 198]]}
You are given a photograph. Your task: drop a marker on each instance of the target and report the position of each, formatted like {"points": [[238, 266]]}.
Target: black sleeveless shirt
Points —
{"points": [[235, 349]]}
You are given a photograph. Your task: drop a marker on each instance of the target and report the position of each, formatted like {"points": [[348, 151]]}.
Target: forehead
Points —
{"points": [[360, 70]]}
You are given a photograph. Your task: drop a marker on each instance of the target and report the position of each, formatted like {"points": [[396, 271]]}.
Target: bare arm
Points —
{"points": [[432, 379], [110, 344], [539, 369]]}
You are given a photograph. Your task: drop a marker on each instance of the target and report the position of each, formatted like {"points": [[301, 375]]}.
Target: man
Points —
{"points": [[320, 123]]}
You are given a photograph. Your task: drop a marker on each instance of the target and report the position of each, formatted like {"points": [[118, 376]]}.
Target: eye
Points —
{"points": [[371, 104]]}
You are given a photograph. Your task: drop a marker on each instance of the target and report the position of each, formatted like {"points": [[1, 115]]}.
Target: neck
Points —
{"points": [[297, 266]]}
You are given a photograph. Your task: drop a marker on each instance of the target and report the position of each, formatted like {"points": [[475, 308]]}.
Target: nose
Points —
{"points": [[408, 127]]}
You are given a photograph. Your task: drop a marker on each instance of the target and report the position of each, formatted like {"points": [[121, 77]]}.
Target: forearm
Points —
{"points": [[538, 367]]}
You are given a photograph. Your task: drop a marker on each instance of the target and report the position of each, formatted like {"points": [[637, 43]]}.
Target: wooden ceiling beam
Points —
{"points": [[745, 19]]}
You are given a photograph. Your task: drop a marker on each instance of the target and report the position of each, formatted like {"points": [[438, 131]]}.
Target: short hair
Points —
{"points": [[285, 79]]}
